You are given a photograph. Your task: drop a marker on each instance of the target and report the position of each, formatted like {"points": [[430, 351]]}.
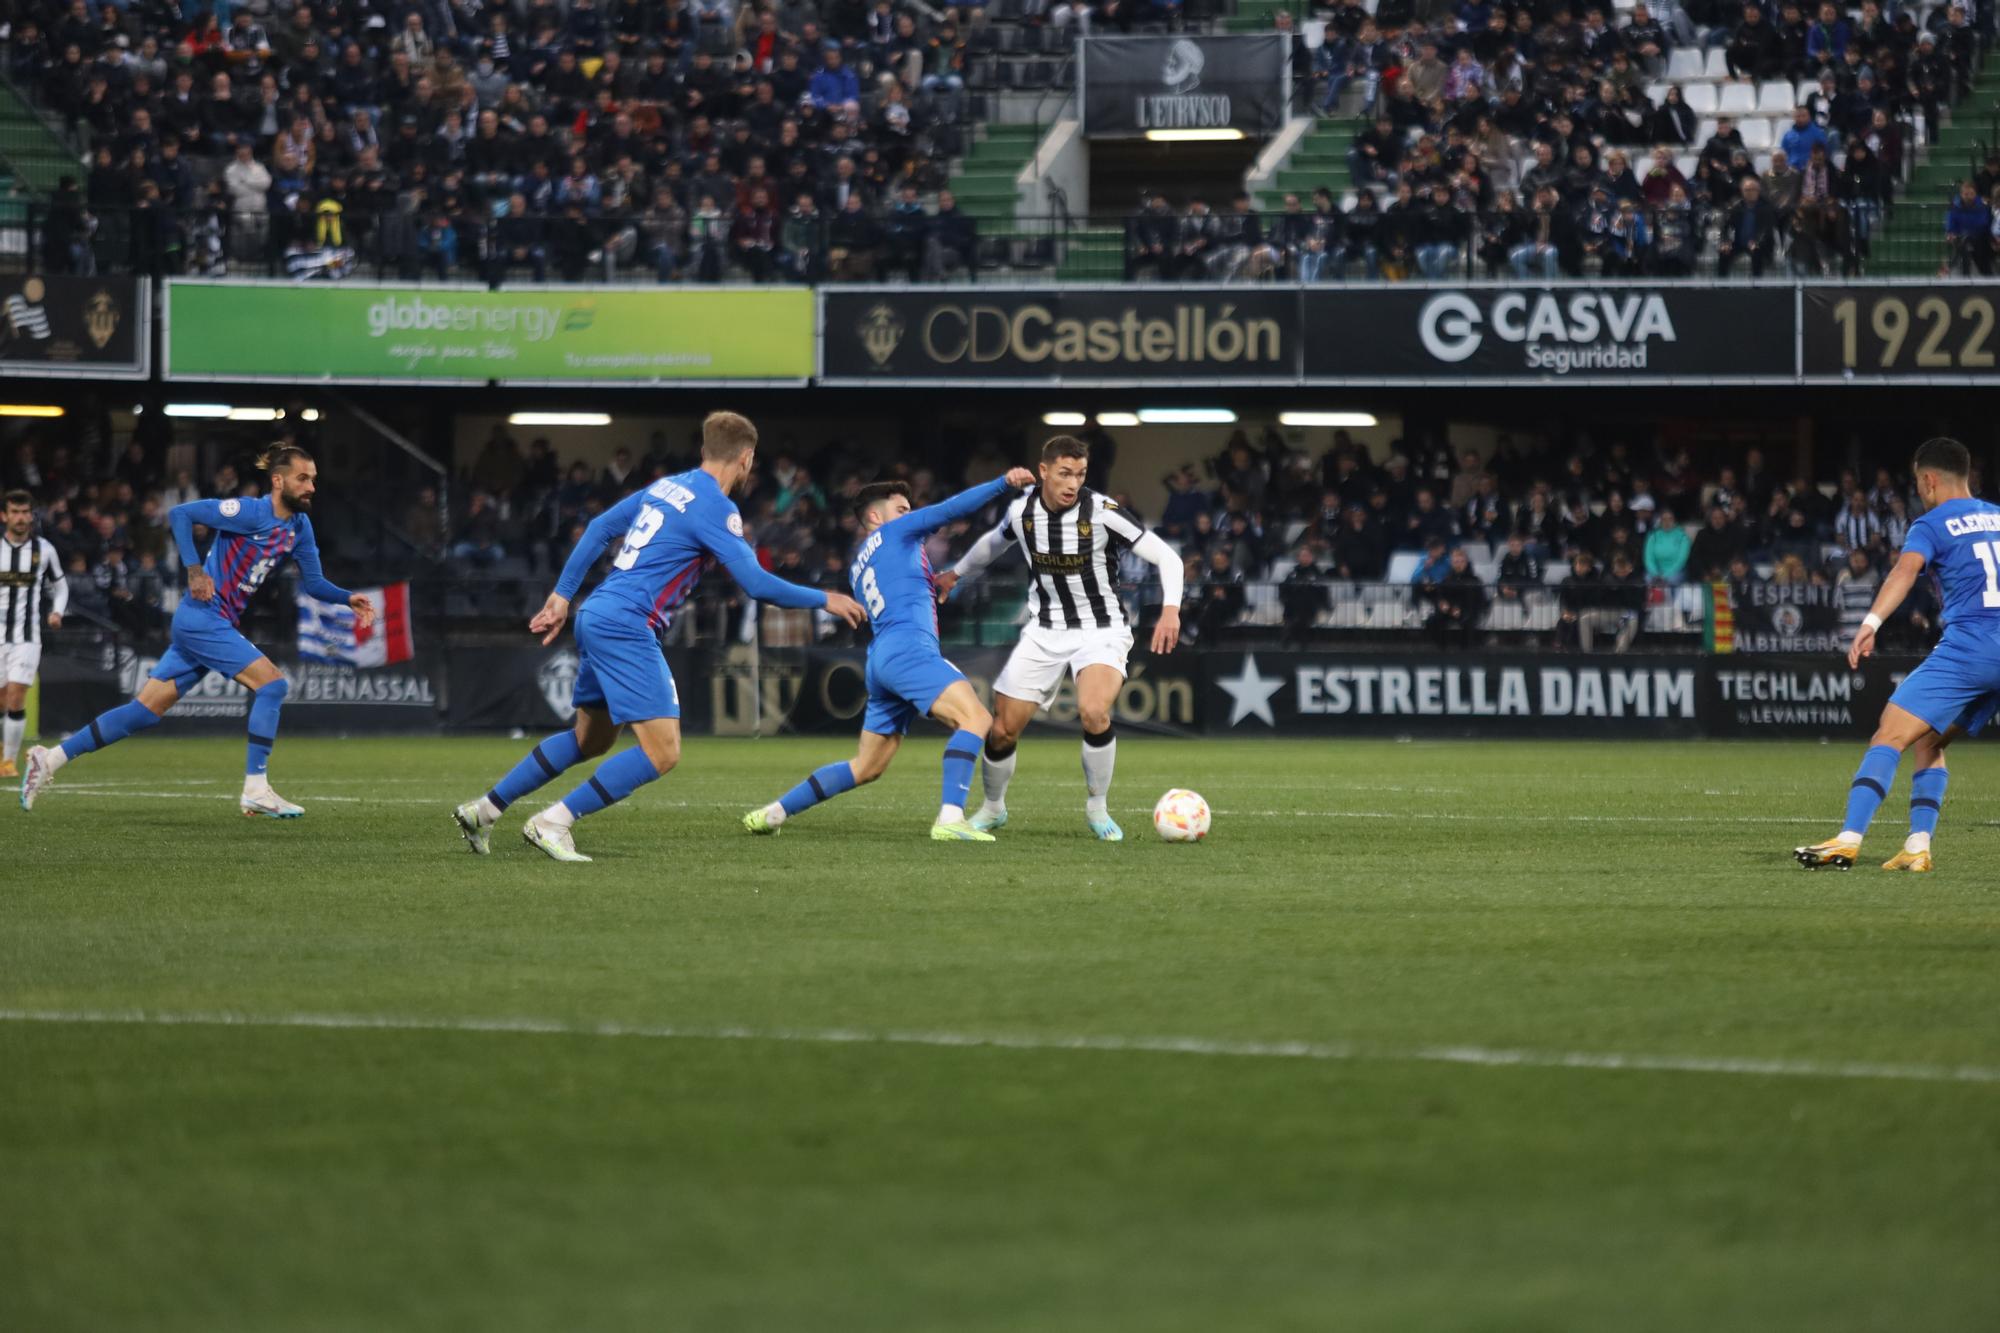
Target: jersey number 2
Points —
{"points": [[644, 529], [870, 593], [1989, 556]]}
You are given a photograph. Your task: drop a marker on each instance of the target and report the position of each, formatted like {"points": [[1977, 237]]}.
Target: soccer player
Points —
{"points": [[251, 537], [674, 530], [28, 566], [1958, 538], [1072, 537], [907, 673]]}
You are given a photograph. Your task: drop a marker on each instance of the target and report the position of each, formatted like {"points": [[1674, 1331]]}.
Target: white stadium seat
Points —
{"points": [[1684, 64], [1687, 162], [1757, 136], [1737, 99], [1700, 97], [1656, 93], [1704, 130], [1403, 567], [1775, 99], [1717, 69]]}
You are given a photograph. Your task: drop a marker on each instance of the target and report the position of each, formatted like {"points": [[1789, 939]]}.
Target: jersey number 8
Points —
{"points": [[870, 593], [644, 529]]}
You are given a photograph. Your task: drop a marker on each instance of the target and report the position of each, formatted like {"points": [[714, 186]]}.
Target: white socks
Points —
{"points": [[55, 757], [1917, 842], [1098, 761], [256, 784], [951, 814], [10, 737], [774, 814], [994, 775], [557, 815], [1848, 835], [488, 812]]}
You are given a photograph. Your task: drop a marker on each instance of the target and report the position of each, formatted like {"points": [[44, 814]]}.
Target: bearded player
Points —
{"points": [[252, 537], [1073, 538]]}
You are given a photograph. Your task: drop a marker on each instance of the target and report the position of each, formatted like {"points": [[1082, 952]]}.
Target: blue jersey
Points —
{"points": [[250, 542], [1960, 543], [674, 531], [891, 573]]}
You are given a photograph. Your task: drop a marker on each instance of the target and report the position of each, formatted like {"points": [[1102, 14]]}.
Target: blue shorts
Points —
{"points": [[203, 642], [620, 666], [903, 683], [1957, 685]]}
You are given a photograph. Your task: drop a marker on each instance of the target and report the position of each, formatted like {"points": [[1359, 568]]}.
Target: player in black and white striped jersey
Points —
{"points": [[1072, 537], [29, 567]]}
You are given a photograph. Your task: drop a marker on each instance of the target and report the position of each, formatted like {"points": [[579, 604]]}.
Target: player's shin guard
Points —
{"points": [[127, 719], [264, 705], [1871, 784], [960, 753], [996, 770], [543, 764], [1100, 756], [1926, 803], [615, 779], [10, 736], [822, 784]]}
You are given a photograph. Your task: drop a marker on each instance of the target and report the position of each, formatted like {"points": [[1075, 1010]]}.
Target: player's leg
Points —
{"points": [[996, 761], [957, 707], [871, 760], [17, 673], [268, 689], [1898, 730], [639, 692], [173, 676], [1097, 689], [593, 734], [1928, 780]]}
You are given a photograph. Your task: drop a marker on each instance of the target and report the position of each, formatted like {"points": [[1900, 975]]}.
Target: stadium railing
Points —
{"points": [[1034, 249]]}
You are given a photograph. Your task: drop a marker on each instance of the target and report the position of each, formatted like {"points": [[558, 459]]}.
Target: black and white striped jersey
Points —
{"points": [[1074, 556], [26, 571]]}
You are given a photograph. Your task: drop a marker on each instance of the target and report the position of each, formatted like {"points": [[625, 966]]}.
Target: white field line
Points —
{"points": [[1326, 1052]]}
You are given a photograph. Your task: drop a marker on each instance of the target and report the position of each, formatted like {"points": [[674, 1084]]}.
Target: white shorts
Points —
{"points": [[19, 662], [1039, 661]]}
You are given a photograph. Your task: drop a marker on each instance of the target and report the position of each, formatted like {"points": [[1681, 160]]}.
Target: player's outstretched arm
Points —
{"points": [[741, 562], [313, 582], [966, 503], [58, 591], [1888, 597], [975, 561], [1153, 549], [597, 534]]}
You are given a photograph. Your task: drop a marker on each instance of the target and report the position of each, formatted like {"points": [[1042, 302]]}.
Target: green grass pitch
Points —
{"points": [[708, 1132]]}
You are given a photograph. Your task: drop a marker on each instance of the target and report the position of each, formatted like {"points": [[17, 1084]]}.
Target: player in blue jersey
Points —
{"points": [[674, 530], [907, 673], [252, 536], [1953, 692]]}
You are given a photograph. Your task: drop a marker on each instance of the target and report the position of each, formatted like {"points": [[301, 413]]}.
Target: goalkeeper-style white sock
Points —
{"points": [[994, 775], [1100, 756]]}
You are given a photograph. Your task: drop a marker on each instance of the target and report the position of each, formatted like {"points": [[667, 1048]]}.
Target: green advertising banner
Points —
{"points": [[385, 334]]}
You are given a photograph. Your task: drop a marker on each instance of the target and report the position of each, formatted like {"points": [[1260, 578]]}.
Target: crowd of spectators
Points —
{"points": [[1506, 139], [1597, 534], [684, 139]]}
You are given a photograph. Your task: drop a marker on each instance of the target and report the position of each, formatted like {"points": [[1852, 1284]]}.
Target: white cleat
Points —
{"points": [[553, 840], [478, 836], [36, 777], [986, 819], [267, 804]]}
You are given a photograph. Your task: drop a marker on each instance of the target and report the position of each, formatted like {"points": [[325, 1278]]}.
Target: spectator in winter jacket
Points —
{"points": [[1667, 550]]}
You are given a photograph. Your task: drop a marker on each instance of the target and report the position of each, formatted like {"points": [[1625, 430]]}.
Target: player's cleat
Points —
{"points": [[1105, 827], [478, 836], [759, 821], [552, 840], [1915, 862], [987, 820], [7, 769], [36, 777], [962, 831], [267, 804], [1833, 854]]}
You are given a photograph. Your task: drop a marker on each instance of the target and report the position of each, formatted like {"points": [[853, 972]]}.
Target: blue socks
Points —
{"points": [[126, 719], [544, 762], [822, 785], [1927, 799], [264, 706], [615, 779], [960, 752], [1871, 784]]}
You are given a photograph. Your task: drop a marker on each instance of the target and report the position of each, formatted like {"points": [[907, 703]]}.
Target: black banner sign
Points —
{"points": [[1919, 331], [529, 687], [1616, 333], [63, 327], [1135, 85], [1309, 694], [1796, 696], [324, 697], [1072, 335], [1785, 618]]}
